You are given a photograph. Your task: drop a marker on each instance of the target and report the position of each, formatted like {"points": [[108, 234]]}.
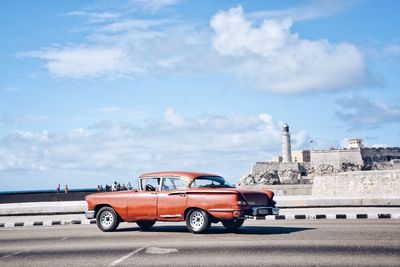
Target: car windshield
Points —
{"points": [[210, 181]]}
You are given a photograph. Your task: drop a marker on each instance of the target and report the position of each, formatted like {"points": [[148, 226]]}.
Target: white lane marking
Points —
{"points": [[15, 253], [64, 238], [156, 250], [126, 256]]}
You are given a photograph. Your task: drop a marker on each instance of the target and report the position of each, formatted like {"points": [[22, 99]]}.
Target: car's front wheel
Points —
{"points": [[107, 219], [198, 221], [233, 225], [145, 225]]}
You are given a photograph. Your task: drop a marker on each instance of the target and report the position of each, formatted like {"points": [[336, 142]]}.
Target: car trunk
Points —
{"points": [[256, 198]]}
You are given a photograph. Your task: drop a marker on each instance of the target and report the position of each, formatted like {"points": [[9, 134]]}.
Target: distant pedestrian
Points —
{"points": [[66, 189], [129, 186], [58, 188]]}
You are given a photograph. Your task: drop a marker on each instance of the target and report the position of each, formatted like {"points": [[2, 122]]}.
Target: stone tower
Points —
{"points": [[286, 148]]}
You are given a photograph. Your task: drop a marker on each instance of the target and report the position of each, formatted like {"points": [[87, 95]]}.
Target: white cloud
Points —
{"points": [[78, 62], [7, 119], [173, 118], [133, 24], [95, 17], [300, 140], [312, 10], [223, 144], [127, 48], [359, 111], [11, 89], [269, 56], [277, 59], [392, 49], [152, 5]]}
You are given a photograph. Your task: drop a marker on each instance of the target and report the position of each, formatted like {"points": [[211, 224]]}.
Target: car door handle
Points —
{"points": [[182, 195], [153, 193]]}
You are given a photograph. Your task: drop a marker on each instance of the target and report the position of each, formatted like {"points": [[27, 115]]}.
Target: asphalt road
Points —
{"points": [[261, 243]]}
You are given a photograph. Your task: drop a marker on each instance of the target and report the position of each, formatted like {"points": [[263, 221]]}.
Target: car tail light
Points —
{"points": [[237, 213], [242, 203]]}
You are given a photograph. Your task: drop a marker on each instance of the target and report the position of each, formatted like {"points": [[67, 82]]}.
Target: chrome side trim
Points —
{"points": [[171, 216], [221, 210]]}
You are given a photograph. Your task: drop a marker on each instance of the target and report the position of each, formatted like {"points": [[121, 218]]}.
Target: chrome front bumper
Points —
{"points": [[263, 211], [89, 214]]}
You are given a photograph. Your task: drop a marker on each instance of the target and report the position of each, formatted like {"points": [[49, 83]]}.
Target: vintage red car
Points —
{"points": [[198, 198]]}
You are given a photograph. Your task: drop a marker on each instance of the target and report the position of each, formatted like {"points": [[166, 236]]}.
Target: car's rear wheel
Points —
{"points": [[198, 221], [145, 225], [107, 219], [233, 225]]}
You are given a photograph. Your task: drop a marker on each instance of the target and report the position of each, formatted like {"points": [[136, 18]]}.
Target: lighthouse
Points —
{"points": [[286, 148]]}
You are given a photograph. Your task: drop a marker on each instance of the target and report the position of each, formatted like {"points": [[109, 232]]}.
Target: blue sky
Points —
{"points": [[93, 91]]}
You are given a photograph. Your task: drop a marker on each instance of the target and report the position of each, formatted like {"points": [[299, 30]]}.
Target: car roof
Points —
{"points": [[189, 175]]}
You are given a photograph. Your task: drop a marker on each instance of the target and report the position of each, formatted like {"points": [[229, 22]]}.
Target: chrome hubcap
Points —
{"points": [[106, 219], [196, 220]]}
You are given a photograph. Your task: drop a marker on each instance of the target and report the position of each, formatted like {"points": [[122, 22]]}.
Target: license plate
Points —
{"points": [[263, 211]]}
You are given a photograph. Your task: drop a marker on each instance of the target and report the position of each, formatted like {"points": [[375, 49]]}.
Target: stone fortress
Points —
{"points": [[300, 167]]}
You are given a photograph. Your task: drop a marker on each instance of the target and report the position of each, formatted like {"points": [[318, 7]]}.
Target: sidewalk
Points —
{"points": [[43, 208]]}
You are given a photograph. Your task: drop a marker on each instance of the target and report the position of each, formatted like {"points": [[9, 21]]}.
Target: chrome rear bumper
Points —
{"points": [[260, 212], [263, 211]]}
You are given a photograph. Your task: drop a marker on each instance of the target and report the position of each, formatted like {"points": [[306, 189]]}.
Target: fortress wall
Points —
{"points": [[359, 183], [273, 166], [370, 155], [336, 157]]}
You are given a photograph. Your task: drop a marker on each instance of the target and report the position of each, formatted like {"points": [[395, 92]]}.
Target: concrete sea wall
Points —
{"points": [[44, 196], [285, 189], [361, 183]]}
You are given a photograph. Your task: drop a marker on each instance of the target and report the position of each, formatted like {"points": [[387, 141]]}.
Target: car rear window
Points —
{"points": [[210, 181]]}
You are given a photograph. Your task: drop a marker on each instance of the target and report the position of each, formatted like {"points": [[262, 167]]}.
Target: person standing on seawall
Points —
{"points": [[66, 189]]}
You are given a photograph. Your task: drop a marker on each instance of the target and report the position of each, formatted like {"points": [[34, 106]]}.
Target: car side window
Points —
{"points": [[150, 184], [173, 183]]}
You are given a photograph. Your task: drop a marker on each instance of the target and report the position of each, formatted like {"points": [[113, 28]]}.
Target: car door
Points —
{"points": [[142, 205], [172, 199]]}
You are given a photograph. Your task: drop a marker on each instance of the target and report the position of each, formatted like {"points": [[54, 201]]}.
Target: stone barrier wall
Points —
{"points": [[355, 184], [43, 196], [285, 189]]}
